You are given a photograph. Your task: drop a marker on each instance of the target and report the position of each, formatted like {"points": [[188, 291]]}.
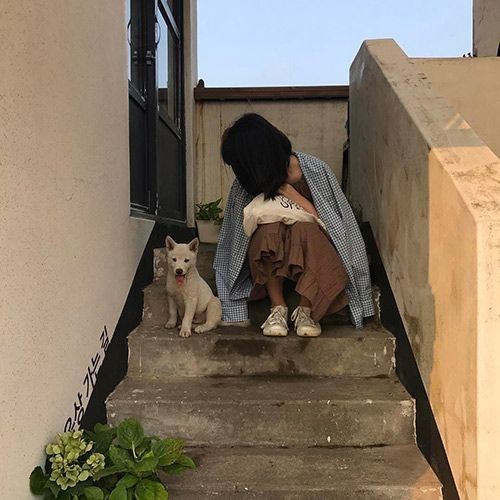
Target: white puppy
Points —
{"points": [[188, 293]]}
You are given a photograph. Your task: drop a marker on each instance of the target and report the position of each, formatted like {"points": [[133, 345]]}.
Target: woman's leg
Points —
{"points": [[321, 278], [274, 286], [304, 301]]}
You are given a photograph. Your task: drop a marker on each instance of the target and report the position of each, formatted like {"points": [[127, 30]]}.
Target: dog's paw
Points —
{"points": [[184, 332], [170, 324], [201, 329]]}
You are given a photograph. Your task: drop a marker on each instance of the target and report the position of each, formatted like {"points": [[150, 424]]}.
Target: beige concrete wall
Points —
{"points": [[315, 127], [472, 87], [68, 248], [190, 81], [486, 27], [430, 188]]}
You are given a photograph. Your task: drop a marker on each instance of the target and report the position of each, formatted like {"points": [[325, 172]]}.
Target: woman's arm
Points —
{"points": [[292, 194]]}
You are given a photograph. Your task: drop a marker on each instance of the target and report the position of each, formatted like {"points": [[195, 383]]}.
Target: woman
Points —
{"points": [[329, 265]]}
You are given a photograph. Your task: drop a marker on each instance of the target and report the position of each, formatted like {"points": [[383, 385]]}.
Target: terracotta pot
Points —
{"points": [[208, 231]]}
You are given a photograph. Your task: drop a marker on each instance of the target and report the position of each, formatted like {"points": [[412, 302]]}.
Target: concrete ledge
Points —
{"points": [[430, 189]]}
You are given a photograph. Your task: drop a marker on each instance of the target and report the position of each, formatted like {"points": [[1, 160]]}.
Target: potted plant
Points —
{"points": [[208, 221], [110, 463]]}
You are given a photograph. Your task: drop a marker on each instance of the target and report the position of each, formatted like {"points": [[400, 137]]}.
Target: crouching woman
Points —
{"points": [[287, 218]]}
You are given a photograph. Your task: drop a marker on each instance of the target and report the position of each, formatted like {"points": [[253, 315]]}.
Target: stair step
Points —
{"points": [[233, 351], [388, 473], [275, 411]]}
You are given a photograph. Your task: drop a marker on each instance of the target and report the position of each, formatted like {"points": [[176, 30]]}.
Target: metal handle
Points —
{"points": [[150, 57], [128, 33], [157, 24]]}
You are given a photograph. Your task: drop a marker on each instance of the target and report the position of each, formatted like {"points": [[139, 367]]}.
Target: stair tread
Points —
{"points": [[145, 331], [245, 390], [305, 469]]}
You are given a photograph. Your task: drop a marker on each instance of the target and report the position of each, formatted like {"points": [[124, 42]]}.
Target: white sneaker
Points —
{"points": [[304, 324], [276, 324]]}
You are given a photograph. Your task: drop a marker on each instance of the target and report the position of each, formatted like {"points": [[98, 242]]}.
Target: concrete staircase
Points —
{"points": [[274, 418]]}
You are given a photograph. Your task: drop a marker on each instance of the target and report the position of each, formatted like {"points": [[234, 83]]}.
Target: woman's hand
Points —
{"points": [[292, 194]]}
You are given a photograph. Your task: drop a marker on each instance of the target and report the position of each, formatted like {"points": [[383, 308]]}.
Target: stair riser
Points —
{"points": [[280, 423], [377, 493], [200, 355], [155, 311]]}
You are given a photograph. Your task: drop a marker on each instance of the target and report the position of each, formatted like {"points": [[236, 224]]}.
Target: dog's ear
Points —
{"points": [[194, 244], [170, 243]]}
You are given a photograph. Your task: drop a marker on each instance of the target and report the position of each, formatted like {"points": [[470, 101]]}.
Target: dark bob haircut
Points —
{"points": [[258, 153]]}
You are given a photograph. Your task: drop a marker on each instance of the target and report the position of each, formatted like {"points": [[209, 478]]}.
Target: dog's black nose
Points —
{"points": [[178, 271]]}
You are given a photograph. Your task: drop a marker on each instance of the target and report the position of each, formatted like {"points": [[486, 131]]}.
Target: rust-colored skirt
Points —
{"points": [[301, 252]]}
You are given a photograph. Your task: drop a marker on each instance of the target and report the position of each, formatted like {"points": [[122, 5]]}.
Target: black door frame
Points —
{"points": [[149, 103]]}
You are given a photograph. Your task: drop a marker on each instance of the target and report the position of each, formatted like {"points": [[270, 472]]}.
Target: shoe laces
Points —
{"points": [[276, 317], [300, 316]]}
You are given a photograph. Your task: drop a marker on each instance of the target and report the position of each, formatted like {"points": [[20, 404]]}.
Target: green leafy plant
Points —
{"points": [[209, 211], [108, 463]]}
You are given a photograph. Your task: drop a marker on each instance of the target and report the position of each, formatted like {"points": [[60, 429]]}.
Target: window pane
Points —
{"points": [[167, 62]]}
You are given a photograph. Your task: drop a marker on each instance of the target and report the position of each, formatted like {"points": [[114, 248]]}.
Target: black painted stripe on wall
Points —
{"points": [[114, 366], [428, 438]]}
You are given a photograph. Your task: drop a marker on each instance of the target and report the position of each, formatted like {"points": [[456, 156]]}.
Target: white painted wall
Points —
{"points": [[68, 248], [486, 31]]}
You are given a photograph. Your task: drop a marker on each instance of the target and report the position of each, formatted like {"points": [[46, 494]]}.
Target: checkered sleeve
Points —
{"points": [[356, 246], [233, 310]]}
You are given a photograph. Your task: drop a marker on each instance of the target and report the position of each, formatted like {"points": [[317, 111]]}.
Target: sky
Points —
{"points": [[313, 42]]}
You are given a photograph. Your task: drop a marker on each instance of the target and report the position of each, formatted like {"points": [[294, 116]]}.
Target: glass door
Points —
{"points": [[157, 144]]}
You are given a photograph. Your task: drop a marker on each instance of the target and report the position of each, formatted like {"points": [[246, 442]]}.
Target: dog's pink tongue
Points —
{"points": [[179, 278]]}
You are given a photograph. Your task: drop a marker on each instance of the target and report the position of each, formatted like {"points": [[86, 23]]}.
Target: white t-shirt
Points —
{"points": [[281, 209]]}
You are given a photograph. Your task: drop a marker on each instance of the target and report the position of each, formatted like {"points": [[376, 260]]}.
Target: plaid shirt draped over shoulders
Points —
{"points": [[232, 272]]}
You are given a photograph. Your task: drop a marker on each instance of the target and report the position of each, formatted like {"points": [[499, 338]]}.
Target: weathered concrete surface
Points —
{"points": [[315, 127], [430, 189], [381, 473], [272, 411], [340, 350], [486, 32], [470, 84]]}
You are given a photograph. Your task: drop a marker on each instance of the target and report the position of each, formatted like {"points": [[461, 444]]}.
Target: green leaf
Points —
{"points": [[150, 490], [102, 437], [186, 462], [144, 446], [130, 434], [146, 464], [54, 488], [119, 493], [38, 481], [93, 493], [109, 471], [127, 481], [183, 463], [120, 457], [98, 428], [168, 450]]}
